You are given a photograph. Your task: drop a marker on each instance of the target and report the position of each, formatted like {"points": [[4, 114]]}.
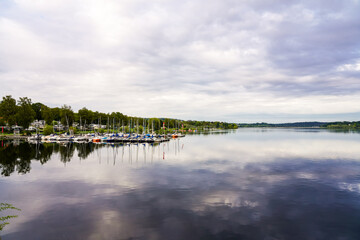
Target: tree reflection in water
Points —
{"points": [[16, 156]]}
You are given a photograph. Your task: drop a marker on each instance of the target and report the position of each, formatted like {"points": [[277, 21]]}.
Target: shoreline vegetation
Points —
{"points": [[339, 125], [24, 112], [4, 220]]}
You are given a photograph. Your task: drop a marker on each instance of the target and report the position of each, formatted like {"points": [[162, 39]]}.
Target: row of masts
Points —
{"points": [[115, 133], [147, 127]]}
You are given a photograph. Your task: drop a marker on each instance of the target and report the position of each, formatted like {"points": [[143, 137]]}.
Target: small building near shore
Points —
{"points": [[59, 127], [38, 124], [16, 129], [97, 126]]}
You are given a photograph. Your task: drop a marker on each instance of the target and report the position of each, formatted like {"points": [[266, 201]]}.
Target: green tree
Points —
{"points": [[47, 114], [56, 113], [48, 129], [25, 114], [2, 121], [8, 110], [74, 130], [67, 115], [37, 107], [86, 115]]}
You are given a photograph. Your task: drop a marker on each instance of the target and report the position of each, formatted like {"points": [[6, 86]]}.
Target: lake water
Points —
{"points": [[247, 184]]}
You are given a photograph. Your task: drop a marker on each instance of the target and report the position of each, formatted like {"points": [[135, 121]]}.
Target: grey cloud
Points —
{"points": [[318, 45], [316, 87], [190, 47]]}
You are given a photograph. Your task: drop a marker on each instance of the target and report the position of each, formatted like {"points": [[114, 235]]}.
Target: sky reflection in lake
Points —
{"points": [[248, 184]]}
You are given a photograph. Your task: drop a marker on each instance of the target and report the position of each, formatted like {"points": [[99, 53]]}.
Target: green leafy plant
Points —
{"points": [[74, 130], [48, 129], [4, 220]]}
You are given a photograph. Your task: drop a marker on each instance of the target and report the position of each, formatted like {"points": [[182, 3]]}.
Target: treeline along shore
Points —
{"points": [[23, 112], [341, 125]]}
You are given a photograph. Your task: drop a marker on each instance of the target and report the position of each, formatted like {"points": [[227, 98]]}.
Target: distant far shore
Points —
{"points": [[344, 125]]}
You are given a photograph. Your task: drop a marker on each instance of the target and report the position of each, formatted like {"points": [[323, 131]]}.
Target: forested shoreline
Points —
{"points": [[343, 125], [23, 112]]}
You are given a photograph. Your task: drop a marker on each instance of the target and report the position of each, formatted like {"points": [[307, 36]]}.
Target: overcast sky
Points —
{"points": [[229, 60]]}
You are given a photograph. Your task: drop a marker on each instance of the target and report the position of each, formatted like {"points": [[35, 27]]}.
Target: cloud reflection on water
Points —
{"points": [[244, 192]]}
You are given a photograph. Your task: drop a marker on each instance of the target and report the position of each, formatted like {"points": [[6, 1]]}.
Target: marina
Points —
{"points": [[106, 138]]}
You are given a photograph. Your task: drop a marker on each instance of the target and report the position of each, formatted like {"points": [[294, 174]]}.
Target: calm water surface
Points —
{"points": [[247, 184]]}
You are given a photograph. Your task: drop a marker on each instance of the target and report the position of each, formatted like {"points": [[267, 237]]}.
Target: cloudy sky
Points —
{"points": [[230, 60]]}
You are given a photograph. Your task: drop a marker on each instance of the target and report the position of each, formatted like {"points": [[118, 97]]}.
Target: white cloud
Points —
{"points": [[187, 60], [349, 67]]}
